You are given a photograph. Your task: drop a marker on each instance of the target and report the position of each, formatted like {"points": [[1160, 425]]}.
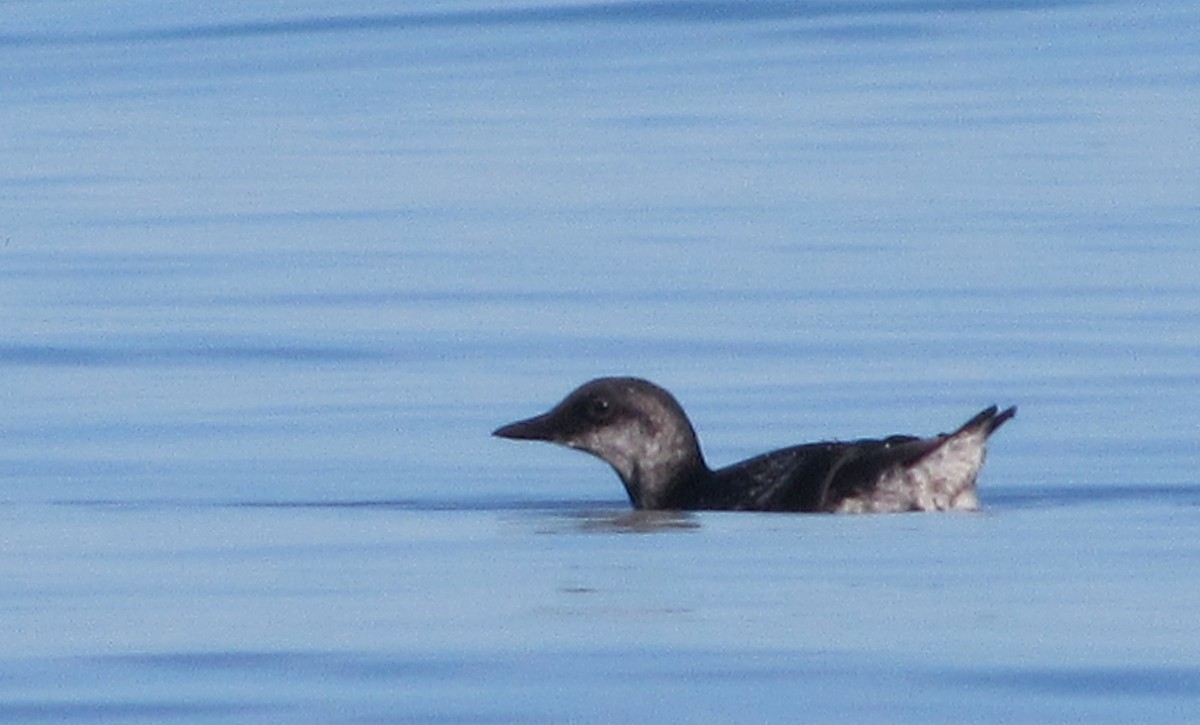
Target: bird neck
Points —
{"points": [[665, 486]]}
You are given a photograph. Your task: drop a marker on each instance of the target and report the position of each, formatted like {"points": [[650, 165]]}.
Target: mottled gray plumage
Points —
{"points": [[643, 433]]}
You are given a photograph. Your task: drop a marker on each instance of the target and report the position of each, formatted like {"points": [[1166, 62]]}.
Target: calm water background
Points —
{"points": [[270, 273]]}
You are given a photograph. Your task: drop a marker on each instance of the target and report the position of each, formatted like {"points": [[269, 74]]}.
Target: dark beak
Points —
{"points": [[538, 428]]}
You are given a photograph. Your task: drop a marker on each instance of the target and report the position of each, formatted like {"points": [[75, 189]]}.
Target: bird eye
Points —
{"points": [[597, 409]]}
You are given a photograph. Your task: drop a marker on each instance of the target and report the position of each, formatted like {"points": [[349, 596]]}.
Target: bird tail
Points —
{"points": [[988, 419]]}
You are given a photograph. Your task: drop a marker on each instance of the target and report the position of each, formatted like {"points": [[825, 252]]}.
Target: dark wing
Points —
{"points": [[812, 477], [817, 476], [790, 479], [864, 462]]}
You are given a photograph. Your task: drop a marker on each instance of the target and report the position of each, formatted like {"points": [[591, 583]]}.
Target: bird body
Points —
{"points": [[643, 433]]}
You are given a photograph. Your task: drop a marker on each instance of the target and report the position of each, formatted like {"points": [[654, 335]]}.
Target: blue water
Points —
{"points": [[270, 274]]}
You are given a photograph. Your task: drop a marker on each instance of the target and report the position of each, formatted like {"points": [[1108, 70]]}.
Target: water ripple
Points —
{"points": [[639, 13], [102, 356]]}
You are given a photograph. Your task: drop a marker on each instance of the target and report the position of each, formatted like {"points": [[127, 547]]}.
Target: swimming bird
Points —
{"points": [[641, 431]]}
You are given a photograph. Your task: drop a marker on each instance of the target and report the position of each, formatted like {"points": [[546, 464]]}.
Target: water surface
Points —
{"points": [[269, 276]]}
